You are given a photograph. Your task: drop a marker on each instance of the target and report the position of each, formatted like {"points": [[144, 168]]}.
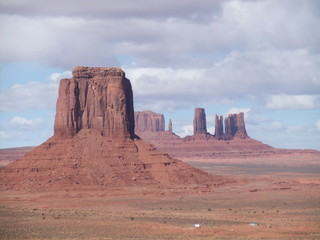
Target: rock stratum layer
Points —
{"points": [[94, 145]]}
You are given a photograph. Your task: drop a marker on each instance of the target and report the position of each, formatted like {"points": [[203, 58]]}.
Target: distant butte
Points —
{"points": [[230, 140], [94, 144]]}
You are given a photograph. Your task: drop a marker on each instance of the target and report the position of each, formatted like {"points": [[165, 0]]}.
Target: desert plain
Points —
{"points": [[266, 197]]}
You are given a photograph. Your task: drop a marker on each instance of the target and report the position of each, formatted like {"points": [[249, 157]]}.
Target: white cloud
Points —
{"points": [[283, 101], [210, 130], [239, 110], [187, 130], [114, 8], [21, 122], [154, 34], [33, 95], [235, 50], [56, 77]]}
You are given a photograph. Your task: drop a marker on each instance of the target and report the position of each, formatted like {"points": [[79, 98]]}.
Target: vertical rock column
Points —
{"points": [[240, 126], [170, 126], [199, 122], [218, 127]]}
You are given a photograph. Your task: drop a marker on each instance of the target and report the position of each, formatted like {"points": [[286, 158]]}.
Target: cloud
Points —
{"points": [[187, 130], [190, 53], [239, 110], [113, 8], [33, 95], [283, 101], [251, 74], [21, 122], [56, 77], [163, 34]]}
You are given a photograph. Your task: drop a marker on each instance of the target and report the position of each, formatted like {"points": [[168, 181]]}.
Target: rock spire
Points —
{"points": [[218, 127], [199, 121], [170, 125]]}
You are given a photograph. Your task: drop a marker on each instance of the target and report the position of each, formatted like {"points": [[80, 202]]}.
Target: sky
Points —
{"points": [[260, 57]]}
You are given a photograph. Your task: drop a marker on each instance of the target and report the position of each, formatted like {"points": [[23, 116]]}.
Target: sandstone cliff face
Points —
{"points": [[95, 98], [199, 122], [148, 121]]}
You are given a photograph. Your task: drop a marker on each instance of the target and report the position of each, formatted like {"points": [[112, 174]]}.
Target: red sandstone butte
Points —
{"points": [[94, 145], [148, 121], [95, 98]]}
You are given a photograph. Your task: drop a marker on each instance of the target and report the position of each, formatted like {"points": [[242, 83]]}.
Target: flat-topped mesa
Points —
{"points": [[96, 98], [95, 72], [235, 126], [148, 121], [199, 121]]}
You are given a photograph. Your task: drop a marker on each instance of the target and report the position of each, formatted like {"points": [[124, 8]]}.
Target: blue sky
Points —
{"points": [[260, 57]]}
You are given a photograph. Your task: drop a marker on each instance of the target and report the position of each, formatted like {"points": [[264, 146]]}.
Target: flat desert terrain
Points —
{"points": [[263, 201]]}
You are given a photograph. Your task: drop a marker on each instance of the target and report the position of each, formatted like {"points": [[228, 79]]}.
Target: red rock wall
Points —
{"points": [[95, 98]]}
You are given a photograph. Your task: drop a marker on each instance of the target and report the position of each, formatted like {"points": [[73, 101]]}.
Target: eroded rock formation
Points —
{"points": [[95, 98], [199, 121], [170, 125], [94, 145], [218, 127], [146, 121], [235, 126]]}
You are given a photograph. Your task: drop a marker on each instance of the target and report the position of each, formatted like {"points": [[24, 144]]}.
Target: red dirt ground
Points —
{"points": [[282, 198]]}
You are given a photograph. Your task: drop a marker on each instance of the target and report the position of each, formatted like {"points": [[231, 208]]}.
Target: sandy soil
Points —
{"points": [[284, 202]]}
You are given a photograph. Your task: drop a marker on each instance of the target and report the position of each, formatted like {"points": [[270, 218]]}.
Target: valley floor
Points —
{"points": [[265, 202]]}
